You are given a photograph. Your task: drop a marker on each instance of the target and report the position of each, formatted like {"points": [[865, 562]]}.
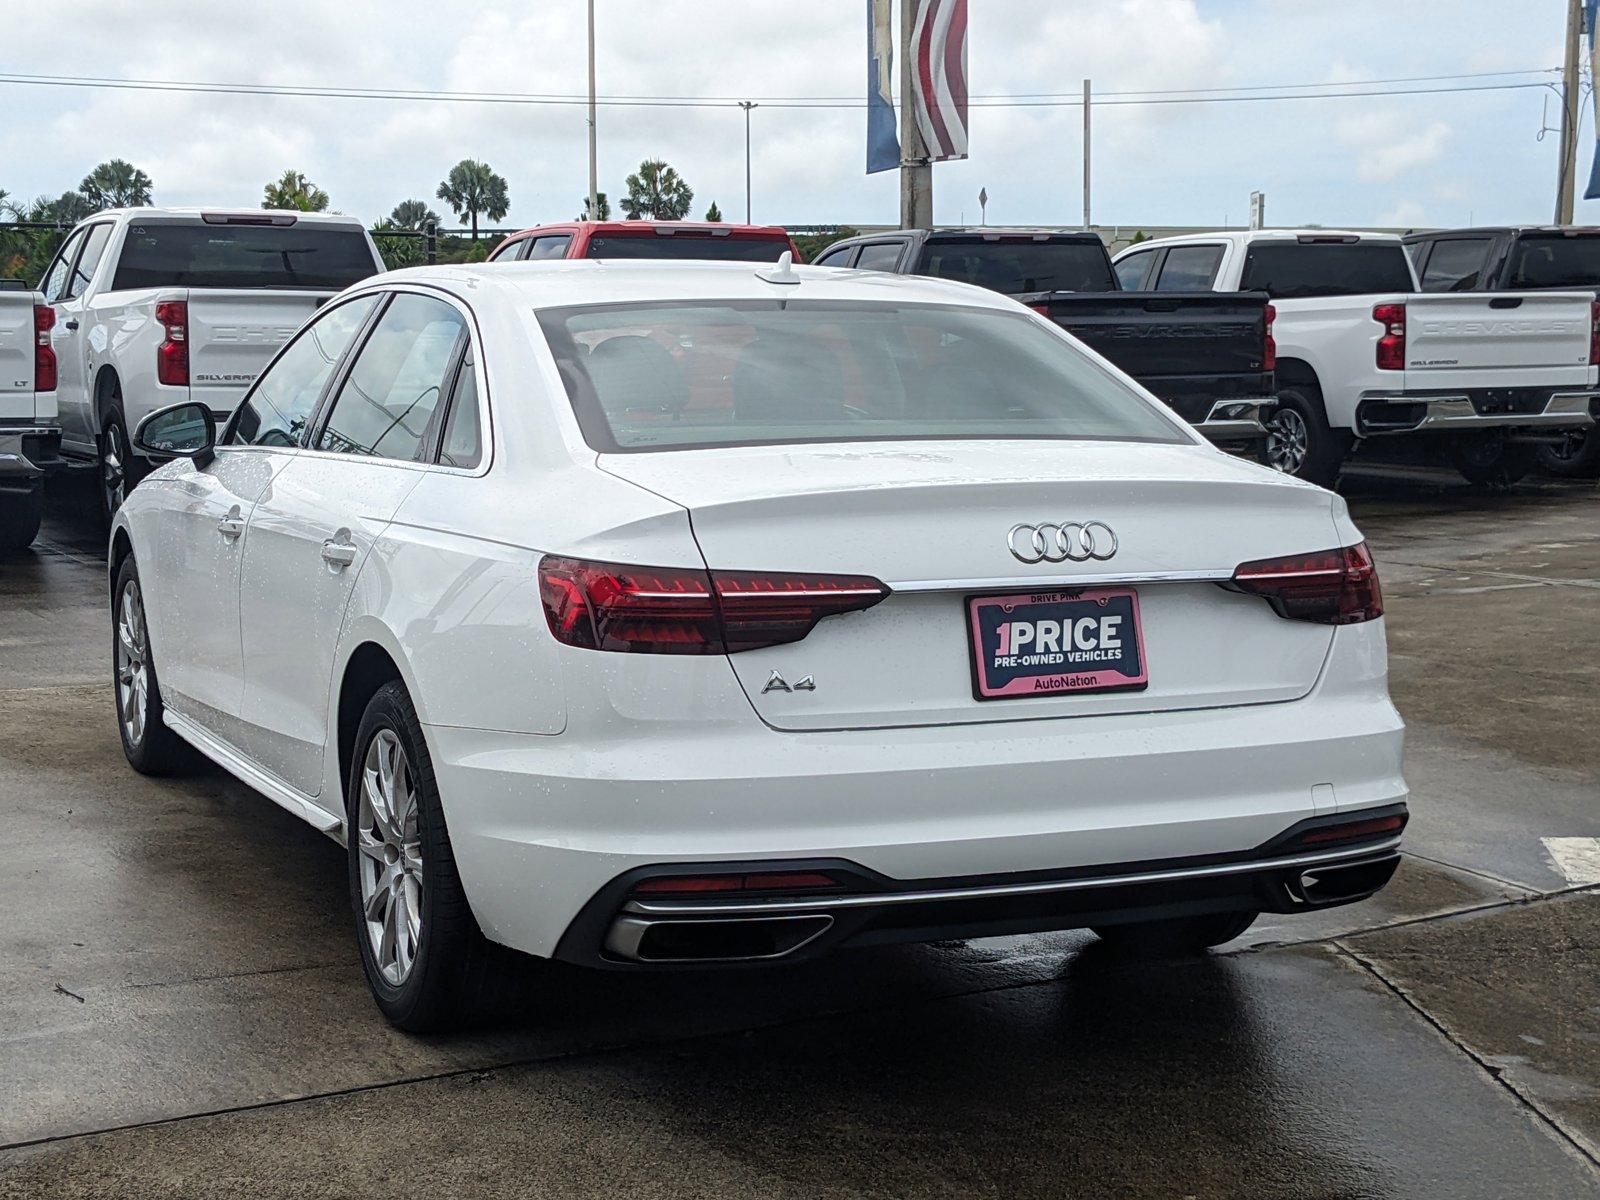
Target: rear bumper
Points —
{"points": [[1383, 413], [620, 929], [28, 452], [1238, 420]]}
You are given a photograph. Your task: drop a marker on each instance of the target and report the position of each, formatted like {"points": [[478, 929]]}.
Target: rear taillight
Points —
{"points": [[44, 354], [674, 610], [1392, 342], [172, 356], [1594, 333], [1330, 587], [1269, 357], [1042, 309]]}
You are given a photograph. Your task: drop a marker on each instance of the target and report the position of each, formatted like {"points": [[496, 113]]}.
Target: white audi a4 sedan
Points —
{"points": [[651, 616]]}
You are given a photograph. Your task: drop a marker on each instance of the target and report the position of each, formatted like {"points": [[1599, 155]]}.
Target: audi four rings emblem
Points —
{"points": [[1072, 542]]}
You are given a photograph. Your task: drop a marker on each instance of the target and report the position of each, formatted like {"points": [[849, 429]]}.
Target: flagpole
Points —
{"points": [[594, 165], [916, 173], [1567, 180]]}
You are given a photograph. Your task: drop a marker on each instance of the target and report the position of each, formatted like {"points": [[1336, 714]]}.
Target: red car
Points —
{"points": [[648, 239]]}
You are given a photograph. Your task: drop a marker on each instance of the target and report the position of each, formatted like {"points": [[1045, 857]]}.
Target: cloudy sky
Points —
{"points": [[1441, 159]]}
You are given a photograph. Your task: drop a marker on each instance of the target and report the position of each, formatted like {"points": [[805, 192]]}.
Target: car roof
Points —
{"points": [[559, 283], [727, 228], [1518, 230], [1258, 235], [219, 210]]}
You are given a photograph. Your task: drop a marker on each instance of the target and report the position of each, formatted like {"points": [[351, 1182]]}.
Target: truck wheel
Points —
{"points": [[1299, 440], [1489, 460], [1576, 456], [20, 516], [119, 468]]}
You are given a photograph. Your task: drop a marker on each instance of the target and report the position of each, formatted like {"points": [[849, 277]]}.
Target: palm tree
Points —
{"points": [[294, 190], [116, 184], [66, 209], [472, 188], [656, 191], [602, 208], [713, 213], [413, 214]]}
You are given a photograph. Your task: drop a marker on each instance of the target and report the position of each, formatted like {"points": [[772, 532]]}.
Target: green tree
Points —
{"points": [[66, 209], [472, 188], [116, 184], [294, 190], [713, 213], [602, 208], [398, 251], [657, 192], [413, 214]]}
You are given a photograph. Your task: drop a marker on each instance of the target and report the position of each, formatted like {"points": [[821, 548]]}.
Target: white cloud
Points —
{"points": [[1385, 148]]}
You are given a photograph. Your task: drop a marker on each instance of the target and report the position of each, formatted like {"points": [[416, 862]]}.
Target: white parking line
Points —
{"points": [[1577, 858]]}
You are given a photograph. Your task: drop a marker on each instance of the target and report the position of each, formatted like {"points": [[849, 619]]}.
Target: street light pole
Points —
{"points": [[1567, 179], [594, 162], [747, 105]]}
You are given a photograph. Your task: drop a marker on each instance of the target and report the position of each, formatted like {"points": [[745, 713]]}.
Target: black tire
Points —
{"points": [[20, 518], [1491, 461], [150, 747], [455, 974], [116, 472], [1300, 442], [1577, 456], [1180, 936]]}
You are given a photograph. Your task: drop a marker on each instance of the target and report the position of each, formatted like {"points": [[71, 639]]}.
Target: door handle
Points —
{"points": [[69, 324], [231, 527], [338, 554]]}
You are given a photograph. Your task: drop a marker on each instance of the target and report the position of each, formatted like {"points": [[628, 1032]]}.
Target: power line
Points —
{"points": [[1251, 93]]}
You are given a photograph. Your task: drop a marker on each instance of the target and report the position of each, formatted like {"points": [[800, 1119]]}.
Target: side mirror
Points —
{"points": [[186, 430]]}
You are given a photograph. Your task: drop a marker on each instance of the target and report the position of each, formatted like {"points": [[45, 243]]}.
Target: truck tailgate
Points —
{"points": [[1490, 339], [16, 355], [232, 334]]}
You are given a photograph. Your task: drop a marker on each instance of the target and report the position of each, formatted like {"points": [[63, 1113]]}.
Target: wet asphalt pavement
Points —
{"points": [[182, 1011]]}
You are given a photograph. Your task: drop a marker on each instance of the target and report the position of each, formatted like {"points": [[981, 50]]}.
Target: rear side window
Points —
{"points": [[462, 445], [321, 257], [1189, 269], [93, 251], [880, 256], [1555, 262], [387, 401], [1295, 270], [54, 285], [676, 376], [836, 258], [1131, 270], [510, 252], [554, 246], [283, 399], [1013, 266], [690, 245], [1455, 265]]}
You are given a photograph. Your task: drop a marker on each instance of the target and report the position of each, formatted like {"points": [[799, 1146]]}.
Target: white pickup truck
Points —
{"points": [[30, 437], [154, 306], [1362, 353]]}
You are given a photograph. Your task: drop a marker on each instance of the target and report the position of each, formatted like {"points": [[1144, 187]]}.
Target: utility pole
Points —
{"points": [[916, 172], [594, 160], [747, 105], [1087, 100], [1567, 178]]}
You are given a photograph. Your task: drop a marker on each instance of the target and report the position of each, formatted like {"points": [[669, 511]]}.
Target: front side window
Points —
{"points": [[281, 403], [386, 404], [1296, 270], [740, 373], [54, 285], [1456, 265], [1189, 269]]}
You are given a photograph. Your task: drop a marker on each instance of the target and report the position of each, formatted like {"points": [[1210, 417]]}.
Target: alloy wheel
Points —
{"points": [[390, 846], [133, 662], [113, 471], [1287, 440]]}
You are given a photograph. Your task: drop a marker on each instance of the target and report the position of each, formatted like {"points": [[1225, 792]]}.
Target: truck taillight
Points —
{"points": [[1594, 333], [1329, 587], [1392, 343], [1041, 308], [1269, 357], [677, 610], [172, 356], [44, 354]]}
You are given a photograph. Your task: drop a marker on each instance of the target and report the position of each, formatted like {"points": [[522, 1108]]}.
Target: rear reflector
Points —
{"points": [[1330, 587], [676, 610], [44, 354], [692, 885], [1353, 831], [172, 355]]}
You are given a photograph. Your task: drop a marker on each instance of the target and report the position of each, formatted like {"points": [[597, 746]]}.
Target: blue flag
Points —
{"points": [[883, 142], [1589, 9]]}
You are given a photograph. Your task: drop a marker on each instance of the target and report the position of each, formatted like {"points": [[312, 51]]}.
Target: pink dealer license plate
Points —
{"points": [[1044, 643]]}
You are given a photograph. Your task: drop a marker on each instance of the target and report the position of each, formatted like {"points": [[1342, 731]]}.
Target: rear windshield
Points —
{"points": [[1017, 266], [681, 245], [1555, 262], [748, 373], [327, 258], [1294, 270]]}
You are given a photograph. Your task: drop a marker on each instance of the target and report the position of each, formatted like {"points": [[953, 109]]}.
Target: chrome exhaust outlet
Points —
{"points": [[741, 939]]}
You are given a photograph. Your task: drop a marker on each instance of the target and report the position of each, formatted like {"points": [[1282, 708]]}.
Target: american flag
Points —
{"points": [[939, 59]]}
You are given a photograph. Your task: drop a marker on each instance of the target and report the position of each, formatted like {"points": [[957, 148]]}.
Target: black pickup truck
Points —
{"points": [[1208, 355], [1558, 258]]}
